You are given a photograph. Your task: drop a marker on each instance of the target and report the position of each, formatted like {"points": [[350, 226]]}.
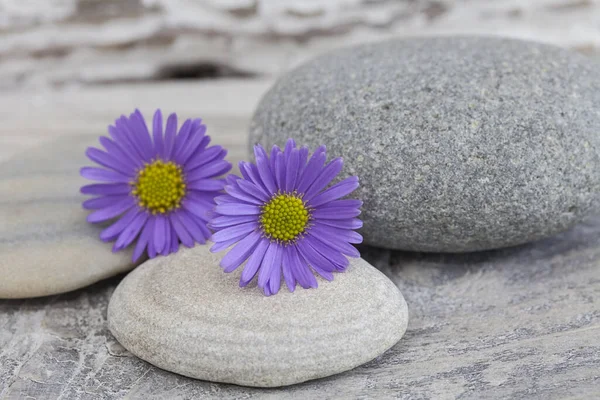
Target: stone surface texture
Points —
{"points": [[513, 323], [72, 42], [46, 245], [461, 143], [183, 314]]}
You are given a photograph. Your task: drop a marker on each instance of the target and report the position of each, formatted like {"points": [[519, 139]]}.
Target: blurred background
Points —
{"points": [[73, 66], [58, 43]]}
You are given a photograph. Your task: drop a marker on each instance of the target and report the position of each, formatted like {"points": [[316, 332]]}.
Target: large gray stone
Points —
{"points": [[183, 314], [461, 143], [46, 244]]}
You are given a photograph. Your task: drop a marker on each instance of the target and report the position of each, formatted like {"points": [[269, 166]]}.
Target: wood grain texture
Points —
{"points": [[517, 323], [67, 42]]}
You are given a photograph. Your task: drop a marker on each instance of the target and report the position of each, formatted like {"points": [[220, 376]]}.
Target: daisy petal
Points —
{"points": [[108, 161], [311, 171], [170, 132], [240, 252], [142, 242], [207, 185], [327, 174], [254, 262], [234, 231], [264, 171], [130, 233], [237, 209], [338, 190], [181, 232], [113, 231], [111, 212], [157, 133], [103, 175], [300, 269], [159, 237], [332, 213], [106, 189], [226, 221], [102, 202], [286, 267]]}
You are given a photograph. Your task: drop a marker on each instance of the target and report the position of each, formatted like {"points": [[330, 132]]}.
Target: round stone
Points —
{"points": [[46, 245], [461, 143], [183, 314]]}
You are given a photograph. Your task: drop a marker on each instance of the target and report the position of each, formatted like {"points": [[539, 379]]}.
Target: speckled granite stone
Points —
{"points": [[183, 314], [461, 143], [46, 245], [518, 323]]}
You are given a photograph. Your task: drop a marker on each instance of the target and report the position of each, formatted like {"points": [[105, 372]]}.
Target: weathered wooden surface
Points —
{"points": [[65, 42], [516, 323]]}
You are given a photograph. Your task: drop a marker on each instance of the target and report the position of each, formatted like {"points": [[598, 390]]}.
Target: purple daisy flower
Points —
{"points": [[160, 187], [283, 220]]}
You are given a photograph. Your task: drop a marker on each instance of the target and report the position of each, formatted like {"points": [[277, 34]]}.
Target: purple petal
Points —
{"points": [[198, 209], [207, 185], [170, 132], [234, 231], [227, 199], [113, 231], [129, 234], [225, 221], [106, 189], [253, 190], [291, 173], [275, 278], [237, 209], [157, 133], [174, 241], [329, 253], [207, 156], [280, 171], [300, 269], [316, 259], [181, 231], [130, 137], [215, 169], [137, 124], [181, 139], [254, 262], [108, 161], [113, 211], [103, 175], [237, 193], [194, 140], [338, 190], [303, 157], [341, 234], [159, 237], [102, 202], [250, 173], [311, 171], [272, 256], [335, 213], [351, 223], [167, 249], [264, 171], [340, 245], [345, 203], [288, 275], [119, 152], [147, 232], [289, 146], [193, 226], [236, 256], [274, 151], [327, 174]]}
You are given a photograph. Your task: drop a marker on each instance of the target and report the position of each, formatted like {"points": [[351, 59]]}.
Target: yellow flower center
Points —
{"points": [[284, 217], [159, 187]]}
